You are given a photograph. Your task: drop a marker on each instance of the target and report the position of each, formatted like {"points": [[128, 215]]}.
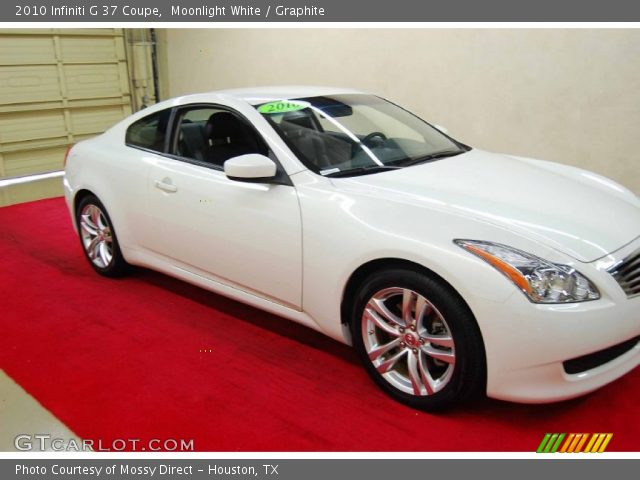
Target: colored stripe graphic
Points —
{"points": [[594, 437], [567, 443], [550, 443], [576, 439], [543, 443], [604, 445], [554, 449], [574, 443], [581, 443]]}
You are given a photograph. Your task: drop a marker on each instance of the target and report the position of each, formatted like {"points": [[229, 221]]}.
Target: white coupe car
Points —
{"points": [[452, 271]]}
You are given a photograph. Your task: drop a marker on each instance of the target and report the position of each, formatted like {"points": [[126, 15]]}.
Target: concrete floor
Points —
{"points": [[21, 414]]}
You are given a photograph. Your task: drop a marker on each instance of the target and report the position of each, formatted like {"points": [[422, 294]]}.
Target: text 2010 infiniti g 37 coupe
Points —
{"points": [[451, 270]]}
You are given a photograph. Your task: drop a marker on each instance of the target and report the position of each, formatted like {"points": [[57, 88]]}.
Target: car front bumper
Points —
{"points": [[528, 344]]}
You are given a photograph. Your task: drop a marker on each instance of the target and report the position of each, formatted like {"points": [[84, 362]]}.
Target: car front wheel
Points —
{"points": [[99, 239], [418, 339]]}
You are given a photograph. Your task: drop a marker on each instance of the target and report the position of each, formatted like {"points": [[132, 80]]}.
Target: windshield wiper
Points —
{"points": [[433, 156], [362, 170]]}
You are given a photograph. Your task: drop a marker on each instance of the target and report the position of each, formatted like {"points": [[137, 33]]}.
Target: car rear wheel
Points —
{"points": [[98, 238], [418, 339]]}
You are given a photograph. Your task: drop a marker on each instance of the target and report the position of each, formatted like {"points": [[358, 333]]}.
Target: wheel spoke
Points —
{"points": [[92, 248], [378, 305], [102, 224], [408, 304], [414, 375], [427, 379], [440, 340], [86, 226], [94, 213], [447, 357], [382, 349], [421, 380], [423, 313], [380, 322], [390, 362], [105, 255], [86, 217], [421, 307]]}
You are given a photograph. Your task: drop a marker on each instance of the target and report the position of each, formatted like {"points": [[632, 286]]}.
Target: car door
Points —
{"points": [[247, 235]]}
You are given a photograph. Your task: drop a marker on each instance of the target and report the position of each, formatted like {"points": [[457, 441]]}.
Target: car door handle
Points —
{"points": [[166, 185]]}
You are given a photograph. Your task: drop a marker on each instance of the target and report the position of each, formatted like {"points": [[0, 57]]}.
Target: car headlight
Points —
{"points": [[540, 280]]}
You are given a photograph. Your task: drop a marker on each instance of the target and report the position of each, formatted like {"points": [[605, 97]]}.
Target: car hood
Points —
{"points": [[574, 211]]}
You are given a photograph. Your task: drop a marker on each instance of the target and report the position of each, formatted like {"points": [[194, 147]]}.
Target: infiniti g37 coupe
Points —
{"points": [[451, 270]]}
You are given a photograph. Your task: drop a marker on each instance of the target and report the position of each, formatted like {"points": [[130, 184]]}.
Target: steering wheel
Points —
{"points": [[373, 135]]}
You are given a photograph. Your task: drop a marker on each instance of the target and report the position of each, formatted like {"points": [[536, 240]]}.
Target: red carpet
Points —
{"points": [[122, 359]]}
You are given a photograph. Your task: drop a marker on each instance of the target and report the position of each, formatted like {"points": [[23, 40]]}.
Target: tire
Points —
{"points": [[430, 360], [98, 238]]}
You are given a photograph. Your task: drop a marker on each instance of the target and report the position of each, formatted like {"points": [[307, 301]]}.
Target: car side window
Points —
{"points": [[213, 135], [149, 132]]}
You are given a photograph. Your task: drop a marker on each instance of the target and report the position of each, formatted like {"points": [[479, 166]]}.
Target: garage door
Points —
{"points": [[57, 87]]}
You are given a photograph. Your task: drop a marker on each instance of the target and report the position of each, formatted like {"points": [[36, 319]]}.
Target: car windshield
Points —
{"points": [[356, 134]]}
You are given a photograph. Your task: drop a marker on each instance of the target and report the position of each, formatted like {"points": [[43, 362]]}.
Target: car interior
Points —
{"points": [[217, 137], [334, 136], [325, 149]]}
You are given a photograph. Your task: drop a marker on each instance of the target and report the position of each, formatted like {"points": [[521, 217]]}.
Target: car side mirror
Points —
{"points": [[252, 167], [442, 129]]}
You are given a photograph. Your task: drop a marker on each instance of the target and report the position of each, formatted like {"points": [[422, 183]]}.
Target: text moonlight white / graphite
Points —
{"points": [[211, 11]]}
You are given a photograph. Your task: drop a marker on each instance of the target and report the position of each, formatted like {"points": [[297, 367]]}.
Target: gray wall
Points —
{"points": [[568, 95]]}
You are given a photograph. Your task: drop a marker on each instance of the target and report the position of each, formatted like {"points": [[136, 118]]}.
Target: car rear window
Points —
{"points": [[149, 132]]}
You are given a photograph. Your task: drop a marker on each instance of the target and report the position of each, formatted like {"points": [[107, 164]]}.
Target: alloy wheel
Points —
{"points": [[96, 235], [408, 341]]}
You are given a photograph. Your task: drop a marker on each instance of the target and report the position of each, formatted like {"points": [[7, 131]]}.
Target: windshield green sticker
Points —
{"points": [[282, 106]]}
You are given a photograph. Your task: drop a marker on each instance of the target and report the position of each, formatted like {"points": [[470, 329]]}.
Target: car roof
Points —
{"points": [[264, 94]]}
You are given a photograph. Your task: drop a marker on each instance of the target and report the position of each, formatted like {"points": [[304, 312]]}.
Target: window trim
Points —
{"points": [[145, 149], [175, 117], [281, 178]]}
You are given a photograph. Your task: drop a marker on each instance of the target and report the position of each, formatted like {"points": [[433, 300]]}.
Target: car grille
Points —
{"points": [[627, 274], [593, 360]]}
